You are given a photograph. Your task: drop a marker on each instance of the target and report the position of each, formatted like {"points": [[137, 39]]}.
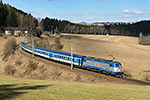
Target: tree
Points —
{"points": [[82, 30], [1, 1]]}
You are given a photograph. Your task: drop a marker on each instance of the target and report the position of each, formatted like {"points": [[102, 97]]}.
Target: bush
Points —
{"points": [[31, 66], [10, 47], [9, 70], [145, 40], [57, 44], [18, 62], [42, 69], [127, 73], [43, 43]]}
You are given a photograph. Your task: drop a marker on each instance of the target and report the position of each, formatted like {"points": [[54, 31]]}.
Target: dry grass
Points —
{"points": [[134, 57]]}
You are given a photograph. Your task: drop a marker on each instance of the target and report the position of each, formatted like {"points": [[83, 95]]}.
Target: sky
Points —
{"points": [[86, 10]]}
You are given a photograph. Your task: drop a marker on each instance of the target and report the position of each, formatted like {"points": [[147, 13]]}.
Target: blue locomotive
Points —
{"points": [[99, 65]]}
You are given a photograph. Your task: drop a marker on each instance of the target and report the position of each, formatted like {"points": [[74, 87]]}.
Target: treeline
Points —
{"points": [[68, 27], [12, 17], [121, 29], [130, 29]]}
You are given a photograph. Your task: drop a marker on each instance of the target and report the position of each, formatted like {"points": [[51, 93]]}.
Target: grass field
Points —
{"points": [[28, 89]]}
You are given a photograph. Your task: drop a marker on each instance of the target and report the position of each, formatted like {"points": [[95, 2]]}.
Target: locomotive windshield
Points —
{"points": [[118, 65]]}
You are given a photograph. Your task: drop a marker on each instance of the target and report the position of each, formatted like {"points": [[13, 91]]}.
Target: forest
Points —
{"points": [[130, 29], [12, 17]]}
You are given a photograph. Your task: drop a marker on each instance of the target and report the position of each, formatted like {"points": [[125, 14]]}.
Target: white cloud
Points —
{"points": [[93, 18], [32, 12], [137, 12], [131, 13], [126, 11]]}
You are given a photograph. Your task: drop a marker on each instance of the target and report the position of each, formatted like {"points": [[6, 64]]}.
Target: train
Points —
{"points": [[108, 67]]}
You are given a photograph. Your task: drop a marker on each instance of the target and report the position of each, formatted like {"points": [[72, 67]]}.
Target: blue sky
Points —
{"points": [[86, 10]]}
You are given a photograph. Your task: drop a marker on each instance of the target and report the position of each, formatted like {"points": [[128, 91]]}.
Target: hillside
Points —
{"points": [[134, 57]]}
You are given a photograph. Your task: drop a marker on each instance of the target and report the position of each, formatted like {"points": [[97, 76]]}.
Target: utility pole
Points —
{"points": [[71, 56], [20, 41], [22, 37], [33, 47]]}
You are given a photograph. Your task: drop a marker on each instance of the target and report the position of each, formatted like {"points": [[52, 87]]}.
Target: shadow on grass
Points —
{"points": [[13, 90]]}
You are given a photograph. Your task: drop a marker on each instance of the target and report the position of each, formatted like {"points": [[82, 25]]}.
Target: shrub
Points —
{"points": [[10, 47], [145, 40], [57, 44], [78, 78], [32, 65], [18, 62], [43, 43], [127, 73], [9, 70], [42, 69], [146, 78]]}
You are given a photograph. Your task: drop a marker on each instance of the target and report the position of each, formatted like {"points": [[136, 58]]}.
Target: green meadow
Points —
{"points": [[29, 89]]}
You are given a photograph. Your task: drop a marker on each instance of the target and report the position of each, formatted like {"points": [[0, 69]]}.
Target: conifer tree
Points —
{"points": [[1, 1]]}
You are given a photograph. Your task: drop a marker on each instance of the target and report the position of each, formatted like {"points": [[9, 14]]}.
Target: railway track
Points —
{"points": [[94, 74]]}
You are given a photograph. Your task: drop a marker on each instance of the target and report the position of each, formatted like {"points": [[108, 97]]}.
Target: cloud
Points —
{"points": [[131, 13], [32, 12], [79, 14], [126, 11], [93, 13], [93, 18]]}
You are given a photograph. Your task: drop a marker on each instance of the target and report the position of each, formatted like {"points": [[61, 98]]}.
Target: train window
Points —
{"points": [[77, 60], [37, 51], [45, 53], [111, 65]]}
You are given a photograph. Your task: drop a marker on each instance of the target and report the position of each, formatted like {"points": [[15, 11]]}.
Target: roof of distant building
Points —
{"points": [[79, 23]]}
